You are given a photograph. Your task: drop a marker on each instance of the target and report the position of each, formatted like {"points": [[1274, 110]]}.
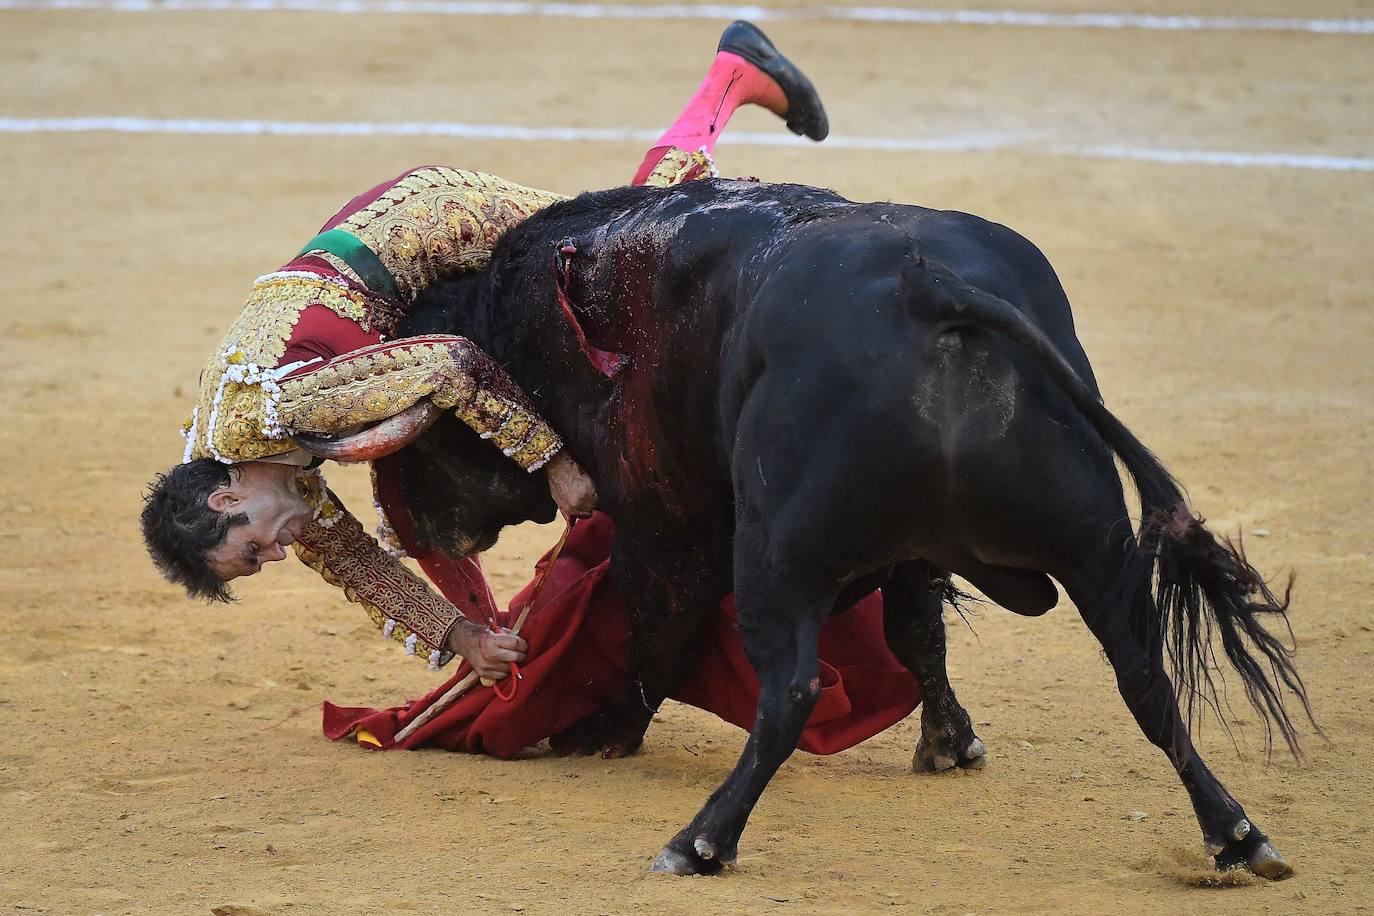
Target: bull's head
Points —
{"points": [[460, 490]]}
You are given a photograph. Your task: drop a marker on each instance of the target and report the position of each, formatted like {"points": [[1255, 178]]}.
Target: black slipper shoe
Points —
{"points": [[805, 113]]}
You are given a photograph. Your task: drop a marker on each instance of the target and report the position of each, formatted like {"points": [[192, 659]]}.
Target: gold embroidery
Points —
{"points": [[386, 534], [439, 220], [678, 165], [397, 601], [379, 382], [343, 267], [431, 221], [236, 418]]}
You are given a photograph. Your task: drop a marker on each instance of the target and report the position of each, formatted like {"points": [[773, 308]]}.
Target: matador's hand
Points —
{"points": [[570, 486], [488, 652]]}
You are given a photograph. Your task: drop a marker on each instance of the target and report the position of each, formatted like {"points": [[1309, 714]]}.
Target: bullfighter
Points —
{"points": [[313, 351]]}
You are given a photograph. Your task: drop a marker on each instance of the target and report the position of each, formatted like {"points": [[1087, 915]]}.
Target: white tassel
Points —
{"points": [[387, 628], [541, 462], [190, 436], [250, 374], [411, 640], [710, 162], [434, 660]]}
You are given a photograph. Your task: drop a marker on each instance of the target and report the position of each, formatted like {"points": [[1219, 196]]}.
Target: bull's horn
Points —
{"points": [[383, 438]]}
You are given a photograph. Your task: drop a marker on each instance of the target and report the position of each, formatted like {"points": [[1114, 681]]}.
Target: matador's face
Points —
{"points": [[269, 494]]}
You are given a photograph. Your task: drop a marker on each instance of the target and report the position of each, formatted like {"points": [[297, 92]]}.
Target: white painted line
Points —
{"points": [[1021, 18], [513, 132], [211, 127]]}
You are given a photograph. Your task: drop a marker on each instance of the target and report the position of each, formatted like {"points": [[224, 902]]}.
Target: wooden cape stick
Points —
{"points": [[465, 684]]}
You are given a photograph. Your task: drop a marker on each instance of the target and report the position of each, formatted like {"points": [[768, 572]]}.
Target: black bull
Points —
{"points": [[819, 397]]}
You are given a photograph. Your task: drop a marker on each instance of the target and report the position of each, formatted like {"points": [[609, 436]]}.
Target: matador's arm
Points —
{"points": [[400, 603], [380, 381]]}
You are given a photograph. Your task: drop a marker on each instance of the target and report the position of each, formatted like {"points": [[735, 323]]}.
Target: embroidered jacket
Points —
{"points": [[310, 352]]}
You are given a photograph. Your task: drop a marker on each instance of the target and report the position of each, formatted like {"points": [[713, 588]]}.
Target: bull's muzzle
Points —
{"points": [[379, 439]]}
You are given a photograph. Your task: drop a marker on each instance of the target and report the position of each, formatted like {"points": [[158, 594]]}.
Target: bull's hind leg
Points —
{"points": [[1135, 650], [913, 622], [781, 608]]}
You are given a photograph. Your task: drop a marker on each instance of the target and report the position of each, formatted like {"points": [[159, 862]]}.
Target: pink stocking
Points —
{"points": [[731, 82]]}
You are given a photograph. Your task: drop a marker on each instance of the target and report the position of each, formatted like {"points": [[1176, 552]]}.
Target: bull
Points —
{"points": [[801, 398]]}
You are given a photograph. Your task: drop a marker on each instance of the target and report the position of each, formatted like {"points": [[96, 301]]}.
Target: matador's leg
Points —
{"points": [[747, 70]]}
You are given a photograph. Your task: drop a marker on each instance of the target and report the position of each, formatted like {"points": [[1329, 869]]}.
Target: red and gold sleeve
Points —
{"points": [[400, 603], [380, 381]]}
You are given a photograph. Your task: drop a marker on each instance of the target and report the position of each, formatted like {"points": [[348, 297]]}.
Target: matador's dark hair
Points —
{"points": [[179, 528]]}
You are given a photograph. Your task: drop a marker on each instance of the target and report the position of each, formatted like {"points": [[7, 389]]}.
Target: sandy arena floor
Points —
{"points": [[146, 766]]}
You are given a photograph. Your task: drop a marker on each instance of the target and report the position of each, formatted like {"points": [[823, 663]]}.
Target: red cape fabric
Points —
{"points": [[578, 634]]}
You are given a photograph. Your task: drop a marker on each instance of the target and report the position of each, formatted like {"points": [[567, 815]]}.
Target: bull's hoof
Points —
{"points": [[937, 756], [1268, 862], [698, 857], [1248, 848], [1263, 860], [572, 743], [622, 748], [613, 733], [672, 862]]}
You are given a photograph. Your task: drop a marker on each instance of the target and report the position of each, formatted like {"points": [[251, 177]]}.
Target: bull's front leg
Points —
{"points": [[669, 586], [781, 608]]}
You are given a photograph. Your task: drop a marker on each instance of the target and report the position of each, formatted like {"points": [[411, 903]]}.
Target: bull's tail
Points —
{"points": [[1200, 584]]}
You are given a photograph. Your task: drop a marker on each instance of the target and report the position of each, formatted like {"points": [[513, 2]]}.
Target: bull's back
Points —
{"points": [[852, 396], [830, 293], [786, 301]]}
